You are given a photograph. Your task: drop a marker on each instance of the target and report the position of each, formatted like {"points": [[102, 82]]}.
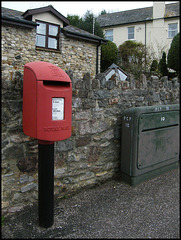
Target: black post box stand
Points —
{"points": [[45, 183]]}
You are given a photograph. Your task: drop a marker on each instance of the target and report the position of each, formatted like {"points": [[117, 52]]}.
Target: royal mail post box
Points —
{"points": [[47, 102], [150, 142]]}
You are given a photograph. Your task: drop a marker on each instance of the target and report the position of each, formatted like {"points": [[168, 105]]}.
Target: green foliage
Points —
{"points": [[131, 51], [154, 66], [109, 55], [86, 23], [162, 66], [65, 196], [98, 30], [75, 20], [174, 54], [103, 12], [133, 57], [2, 220]]}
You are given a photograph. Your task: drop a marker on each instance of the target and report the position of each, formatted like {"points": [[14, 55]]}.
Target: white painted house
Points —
{"points": [[154, 26]]}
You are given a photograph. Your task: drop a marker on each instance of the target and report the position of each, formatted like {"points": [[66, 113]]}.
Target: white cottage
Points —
{"points": [[154, 26]]}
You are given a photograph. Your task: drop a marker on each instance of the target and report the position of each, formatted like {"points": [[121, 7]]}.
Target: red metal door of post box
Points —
{"points": [[50, 127]]}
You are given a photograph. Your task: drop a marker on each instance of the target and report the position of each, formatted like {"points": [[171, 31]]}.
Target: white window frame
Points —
{"points": [[109, 34], [132, 33], [172, 32]]}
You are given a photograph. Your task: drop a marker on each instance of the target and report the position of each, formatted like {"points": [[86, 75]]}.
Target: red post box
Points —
{"points": [[47, 116], [47, 102]]}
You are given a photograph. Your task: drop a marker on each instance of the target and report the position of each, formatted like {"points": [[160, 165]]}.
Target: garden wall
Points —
{"points": [[92, 154]]}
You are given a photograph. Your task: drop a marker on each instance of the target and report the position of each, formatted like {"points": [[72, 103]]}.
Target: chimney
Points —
{"points": [[158, 9]]}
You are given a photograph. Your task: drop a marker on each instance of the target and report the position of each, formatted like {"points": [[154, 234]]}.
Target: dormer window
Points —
{"points": [[47, 35]]}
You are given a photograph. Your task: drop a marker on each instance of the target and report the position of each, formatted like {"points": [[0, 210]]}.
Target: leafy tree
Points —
{"points": [[98, 30], [133, 57], [162, 66], [109, 55], [86, 23], [103, 12], [174, 54], [75, 20], [132, 52]]}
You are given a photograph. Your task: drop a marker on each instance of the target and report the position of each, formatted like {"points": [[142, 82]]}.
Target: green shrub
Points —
{"points": [[134, 58], [109, 55], [174, 54], [132, 52], [154, 66], [162, 66]]}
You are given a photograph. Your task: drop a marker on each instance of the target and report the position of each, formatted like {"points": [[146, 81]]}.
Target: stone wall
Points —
{"points": [[92, 154], [18, 48]]}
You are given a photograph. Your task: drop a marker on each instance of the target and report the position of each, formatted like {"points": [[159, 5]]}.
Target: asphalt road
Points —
{"points": [[111, 210]]}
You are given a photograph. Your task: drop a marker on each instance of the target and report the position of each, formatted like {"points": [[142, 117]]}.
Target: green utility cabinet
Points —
{"points": [[150, 142]]}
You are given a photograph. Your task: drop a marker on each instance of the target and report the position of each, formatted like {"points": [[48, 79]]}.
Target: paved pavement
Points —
{"points": [[111, 210]]}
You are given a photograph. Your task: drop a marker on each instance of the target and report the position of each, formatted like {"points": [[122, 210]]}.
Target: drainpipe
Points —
{"points": [[145, 46], [97, 57]]}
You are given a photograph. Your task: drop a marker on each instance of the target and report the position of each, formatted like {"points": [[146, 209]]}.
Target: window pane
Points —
{"points": [[172, 30], [53, 30], [172, 26], [40, 40], [109, 35], [131, 30], [172, 34], [130, 36], [109, 32], [52, 43], [131, 33], [41, 29], [109, 38]]}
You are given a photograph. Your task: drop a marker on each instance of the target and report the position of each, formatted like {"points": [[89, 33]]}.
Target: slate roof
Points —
{"points": [[17, 18], [69, 29], [11, 13], [136, 15]]}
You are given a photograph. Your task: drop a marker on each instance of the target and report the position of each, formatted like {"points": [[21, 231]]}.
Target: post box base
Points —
{"points": [[135, 180], [45, 142]]}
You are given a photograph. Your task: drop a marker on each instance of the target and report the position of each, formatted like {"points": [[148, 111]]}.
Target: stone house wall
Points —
{"points": [[18, 48], [92, 154]]}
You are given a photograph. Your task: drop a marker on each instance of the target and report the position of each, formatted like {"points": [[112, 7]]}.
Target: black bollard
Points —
{"points": [[45, 183]]}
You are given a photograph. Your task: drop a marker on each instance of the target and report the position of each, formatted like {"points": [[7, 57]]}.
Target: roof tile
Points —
{"points": [[135, 15]]}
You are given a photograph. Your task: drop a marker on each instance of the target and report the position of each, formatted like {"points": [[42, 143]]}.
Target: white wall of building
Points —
{"points": [[48, 17], [157, 39]]}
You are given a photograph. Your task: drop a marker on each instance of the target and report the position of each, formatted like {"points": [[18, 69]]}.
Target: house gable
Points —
{"points": [[47, 17], [45, 11]]}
